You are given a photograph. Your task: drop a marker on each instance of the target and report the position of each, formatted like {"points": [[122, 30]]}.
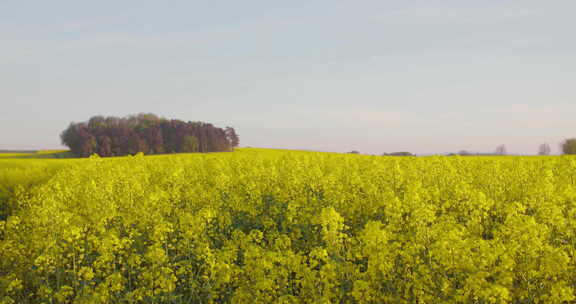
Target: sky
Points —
{"points": [[369, 75]]}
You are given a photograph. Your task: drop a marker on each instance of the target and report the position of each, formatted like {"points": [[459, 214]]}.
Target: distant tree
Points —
{"points": [[232, 137], [136, 144], [153, 136], [104, 145], [88, 144], [145, 133], [97, 123], [354, 152], [399, 154], [190, 144], [569, 146], [544, 149], [71, 138], [500, 150]]}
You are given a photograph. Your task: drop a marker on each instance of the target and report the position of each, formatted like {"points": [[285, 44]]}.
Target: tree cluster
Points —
{"points": [[146, 133], [403, 153], [500, 150], [569, 146], [544, 149]]}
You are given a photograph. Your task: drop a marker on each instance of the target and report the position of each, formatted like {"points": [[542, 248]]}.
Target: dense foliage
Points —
{"points": [[294, 227], [146, 133], [569, 146]]}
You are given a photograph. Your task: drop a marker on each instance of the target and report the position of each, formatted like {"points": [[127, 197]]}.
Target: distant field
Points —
{"points": [[277, 226], [37, 154]]}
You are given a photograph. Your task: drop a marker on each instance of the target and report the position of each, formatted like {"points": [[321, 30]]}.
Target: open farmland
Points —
{"points": [[272, 226]]}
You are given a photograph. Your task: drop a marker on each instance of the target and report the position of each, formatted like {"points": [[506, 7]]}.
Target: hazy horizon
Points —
{"points": [[373, 76]]}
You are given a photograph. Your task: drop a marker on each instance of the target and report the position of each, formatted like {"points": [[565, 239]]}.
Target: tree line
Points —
{"points": [[146, 133], [567, 146]]}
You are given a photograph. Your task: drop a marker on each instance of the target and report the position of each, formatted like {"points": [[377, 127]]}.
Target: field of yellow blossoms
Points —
{"points": [[271, 226]]}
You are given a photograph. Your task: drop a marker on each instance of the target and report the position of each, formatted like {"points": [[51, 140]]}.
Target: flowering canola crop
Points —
{"points": [[263, 226]]}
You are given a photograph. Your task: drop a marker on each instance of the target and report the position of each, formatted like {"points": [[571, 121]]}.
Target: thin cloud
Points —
{"points": [[520, 13]]}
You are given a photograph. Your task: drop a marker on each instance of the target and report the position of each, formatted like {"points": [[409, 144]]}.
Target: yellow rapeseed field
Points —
{"points": [[272, 226]]}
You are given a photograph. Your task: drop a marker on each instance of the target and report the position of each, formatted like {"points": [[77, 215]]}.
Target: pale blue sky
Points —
{"points": [[374, 76]]}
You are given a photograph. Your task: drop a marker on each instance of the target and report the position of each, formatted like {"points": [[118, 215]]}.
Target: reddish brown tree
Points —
{"points": [[147, 133]]}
